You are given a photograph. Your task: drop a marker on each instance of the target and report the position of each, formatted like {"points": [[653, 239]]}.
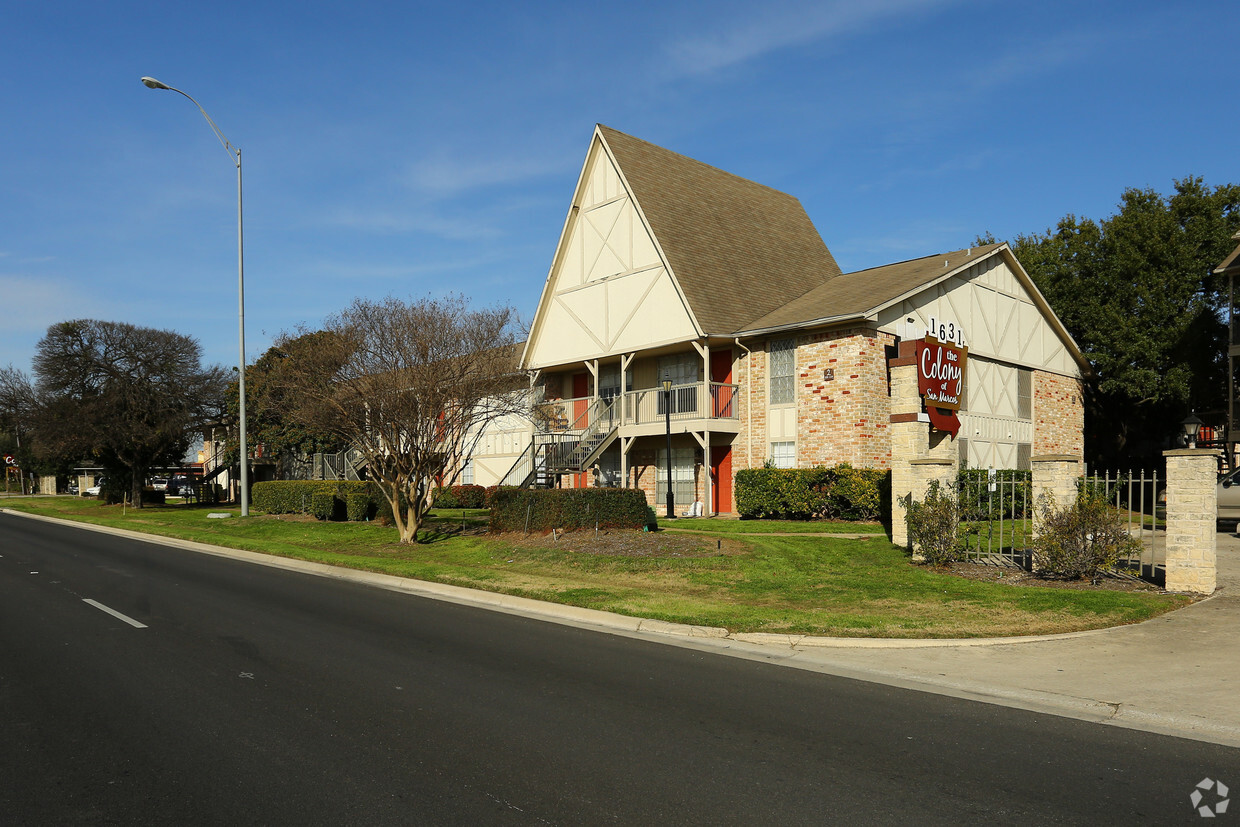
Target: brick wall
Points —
{"points": [[1058, 415], [847, 418]]}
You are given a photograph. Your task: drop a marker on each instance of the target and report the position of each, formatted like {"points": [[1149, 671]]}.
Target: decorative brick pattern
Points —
{"points": [[846, 418], [1058, 415]]}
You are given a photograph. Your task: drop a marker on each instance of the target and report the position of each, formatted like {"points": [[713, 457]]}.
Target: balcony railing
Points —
{"points": [[648, 406]]}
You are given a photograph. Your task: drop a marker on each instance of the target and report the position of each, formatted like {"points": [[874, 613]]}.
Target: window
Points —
{"points": [[467, 472], [608, 470], [782, 368], [683, 487], [784, 454], [609, 382], [1024, 393], [682, 369]]}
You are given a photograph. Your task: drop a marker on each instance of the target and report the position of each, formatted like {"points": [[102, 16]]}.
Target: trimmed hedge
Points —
{"points": [[323, 505], [357, 507], [348, 498], [520, 509], [461, 496], [839, 493]]}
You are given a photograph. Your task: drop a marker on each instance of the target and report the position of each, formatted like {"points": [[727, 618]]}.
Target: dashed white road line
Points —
{"points": [[114, 613]]}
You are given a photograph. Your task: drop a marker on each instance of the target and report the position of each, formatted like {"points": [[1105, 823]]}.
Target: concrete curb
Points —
{"points": [[558, 611]]}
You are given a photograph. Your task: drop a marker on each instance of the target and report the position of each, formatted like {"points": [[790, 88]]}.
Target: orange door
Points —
{"points": [[721, 478], [581, 390], [721, 371]]}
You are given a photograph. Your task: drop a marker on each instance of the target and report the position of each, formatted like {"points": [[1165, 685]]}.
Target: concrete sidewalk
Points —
{"points": [[1176, 674]]}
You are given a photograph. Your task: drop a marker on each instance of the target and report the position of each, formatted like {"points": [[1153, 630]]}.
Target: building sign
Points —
{"points": [[940, 381], [10, 461]]}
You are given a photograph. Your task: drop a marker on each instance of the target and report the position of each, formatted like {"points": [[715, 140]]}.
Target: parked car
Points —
{"points": [[72, 488], [93, 491], [159, 483], [1228, 491], [178, 484]]}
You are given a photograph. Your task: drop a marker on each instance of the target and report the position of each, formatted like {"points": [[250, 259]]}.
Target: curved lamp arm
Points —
{"points": [[152, 83]]}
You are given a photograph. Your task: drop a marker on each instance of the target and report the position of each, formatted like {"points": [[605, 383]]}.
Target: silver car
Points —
{"points": [[1229, 496]]}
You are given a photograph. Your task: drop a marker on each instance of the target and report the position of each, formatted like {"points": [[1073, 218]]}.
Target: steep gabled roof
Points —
{"points": [[738, 249], [858, 294]]}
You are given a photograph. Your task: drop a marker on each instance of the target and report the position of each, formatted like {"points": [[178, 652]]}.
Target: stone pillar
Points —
{"points": [[1054, 476], [918, 454], [1192, 514]]}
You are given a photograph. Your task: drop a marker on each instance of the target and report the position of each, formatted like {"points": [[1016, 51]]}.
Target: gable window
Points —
{"points": [[782, 370], [467, 472]]}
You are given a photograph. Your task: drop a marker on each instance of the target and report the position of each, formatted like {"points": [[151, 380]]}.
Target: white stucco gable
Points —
{"points": [[609, 289], [1003, 315]]}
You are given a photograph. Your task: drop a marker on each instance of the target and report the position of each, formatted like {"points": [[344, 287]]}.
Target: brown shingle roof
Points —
{"points": [[855, 294], [738, 249]]}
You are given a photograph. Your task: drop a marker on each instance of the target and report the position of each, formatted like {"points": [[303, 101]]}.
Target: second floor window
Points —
{"points": [[783, 369]]}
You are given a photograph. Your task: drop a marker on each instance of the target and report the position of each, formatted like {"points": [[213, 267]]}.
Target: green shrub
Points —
{"points": [[516, 509], [858, 493], [1011, 496], [460, 496], [840, 492], [933, 524], [286, 496], [323, 505], [445, 498], [357, 506], [1081, 540]]}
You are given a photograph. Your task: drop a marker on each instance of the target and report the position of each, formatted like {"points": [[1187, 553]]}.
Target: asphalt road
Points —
{"points": [[260, 696]]}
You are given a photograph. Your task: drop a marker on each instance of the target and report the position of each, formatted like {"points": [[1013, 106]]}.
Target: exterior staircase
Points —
{"points": [[567, 449]]}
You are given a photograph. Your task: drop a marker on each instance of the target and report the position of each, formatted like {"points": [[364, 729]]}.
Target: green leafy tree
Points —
{"points": [[128, 396], [1138, 294], [268, 419]]}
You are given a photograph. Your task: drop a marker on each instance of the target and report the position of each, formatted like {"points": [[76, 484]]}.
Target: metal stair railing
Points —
{"points": [[569, 448]]}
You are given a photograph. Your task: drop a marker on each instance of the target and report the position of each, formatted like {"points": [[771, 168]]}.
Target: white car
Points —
{"points": [[93, 491]]}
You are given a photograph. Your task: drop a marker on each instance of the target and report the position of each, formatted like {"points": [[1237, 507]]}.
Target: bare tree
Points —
{"points": [[410, 386], [128, 396]]}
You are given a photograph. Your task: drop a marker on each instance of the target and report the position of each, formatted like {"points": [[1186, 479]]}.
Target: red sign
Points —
{"points": [[940, 381], [10, 461]]}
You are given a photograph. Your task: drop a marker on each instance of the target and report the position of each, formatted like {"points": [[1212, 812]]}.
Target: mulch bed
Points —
{"points": [[1020, 577]]}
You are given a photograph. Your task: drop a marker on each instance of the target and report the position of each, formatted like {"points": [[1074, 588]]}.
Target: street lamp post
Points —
{"points": [[667, 415], [235, 154]]}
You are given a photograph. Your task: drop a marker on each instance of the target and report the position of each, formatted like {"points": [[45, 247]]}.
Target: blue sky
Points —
{"points": [[414, 148]]}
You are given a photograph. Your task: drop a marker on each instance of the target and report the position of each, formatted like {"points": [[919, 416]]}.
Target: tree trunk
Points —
{"points": [[135, 486]]}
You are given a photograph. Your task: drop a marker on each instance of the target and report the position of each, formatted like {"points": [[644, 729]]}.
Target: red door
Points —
{"points": [[721, 478], [581, 390], [721, 371]]}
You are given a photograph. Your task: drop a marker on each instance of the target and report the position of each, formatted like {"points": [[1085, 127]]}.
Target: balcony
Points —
{"points": [[694, 407]]}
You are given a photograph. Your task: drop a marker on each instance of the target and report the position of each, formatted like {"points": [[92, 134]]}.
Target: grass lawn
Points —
{"points": [[745, 527], [761, 583]]}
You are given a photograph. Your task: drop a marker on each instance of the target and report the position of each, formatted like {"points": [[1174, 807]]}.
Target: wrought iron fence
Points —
{"points": [[1138, 496], [996, 516]]}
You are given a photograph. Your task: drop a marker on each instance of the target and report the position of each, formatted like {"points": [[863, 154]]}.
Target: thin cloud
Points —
{"points": [[444, 176], [396, 222], [768, 31]]}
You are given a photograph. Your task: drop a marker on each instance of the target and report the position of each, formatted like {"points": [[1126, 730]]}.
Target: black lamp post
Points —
{"points": [[1191, 426], [667, 415]]}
